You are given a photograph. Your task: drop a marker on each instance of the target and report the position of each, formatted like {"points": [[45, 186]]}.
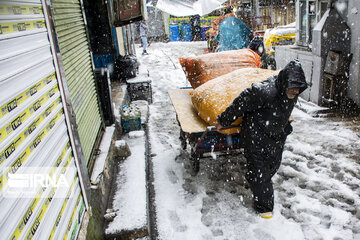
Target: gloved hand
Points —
{"points": [[288, 128], [218, 126]]}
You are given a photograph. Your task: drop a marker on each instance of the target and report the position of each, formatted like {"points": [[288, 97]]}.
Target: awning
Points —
{"points": [[181, 8]]}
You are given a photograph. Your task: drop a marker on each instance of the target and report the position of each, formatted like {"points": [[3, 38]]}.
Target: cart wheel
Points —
{"points": [[194, 163], [183, 144], [183, 140]]}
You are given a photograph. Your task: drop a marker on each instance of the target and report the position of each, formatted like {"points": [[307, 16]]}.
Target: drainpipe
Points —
{"points": [[256, 8], [254, 12]]}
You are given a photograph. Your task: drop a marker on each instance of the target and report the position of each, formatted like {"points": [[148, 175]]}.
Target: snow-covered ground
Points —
{"points": [[316, 189]]}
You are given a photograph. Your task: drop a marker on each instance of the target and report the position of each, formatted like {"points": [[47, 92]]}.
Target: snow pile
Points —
{"points": [[136, 134], [101, 158], [129, 201], [120, 143]]}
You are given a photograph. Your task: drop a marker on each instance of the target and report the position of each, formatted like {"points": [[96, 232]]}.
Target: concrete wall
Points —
{"points": [[312, 64], [354, 24], [309, 63]]}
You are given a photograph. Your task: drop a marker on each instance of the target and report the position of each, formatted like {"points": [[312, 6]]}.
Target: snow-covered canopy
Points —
{"points": [[282, 30], [188, 7]]}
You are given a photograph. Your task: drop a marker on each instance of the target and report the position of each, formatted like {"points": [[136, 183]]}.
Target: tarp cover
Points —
{"points": [[233, 34], [182, 8]]}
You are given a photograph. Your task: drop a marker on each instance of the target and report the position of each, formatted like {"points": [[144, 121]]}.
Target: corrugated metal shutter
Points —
{"points": [[34, 138], [75, 54]]}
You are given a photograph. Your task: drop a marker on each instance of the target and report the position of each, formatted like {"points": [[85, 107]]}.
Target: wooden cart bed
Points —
{"points": [[189, 120]]}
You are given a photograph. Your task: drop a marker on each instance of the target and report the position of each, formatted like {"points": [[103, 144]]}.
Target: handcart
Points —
{"points": [[201, 137]]}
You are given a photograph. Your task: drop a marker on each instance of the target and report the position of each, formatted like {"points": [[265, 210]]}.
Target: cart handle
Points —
{"points": [[228, 127]]}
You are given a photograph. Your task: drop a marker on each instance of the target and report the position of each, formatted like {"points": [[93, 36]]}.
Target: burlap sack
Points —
{"points": [[205, 67], [213, 97]]}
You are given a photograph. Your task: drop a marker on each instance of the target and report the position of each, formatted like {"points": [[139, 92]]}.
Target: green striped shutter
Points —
{"points": [[34, 134], [75, 53]]}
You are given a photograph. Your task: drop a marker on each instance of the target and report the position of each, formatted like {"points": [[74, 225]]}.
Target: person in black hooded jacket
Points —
{"points": [[265, 108], [267, 60]]}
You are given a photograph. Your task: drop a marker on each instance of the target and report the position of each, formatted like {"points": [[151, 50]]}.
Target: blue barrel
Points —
{"points": [[203, 33], [186, 32], [174, 32], [103, 60]]}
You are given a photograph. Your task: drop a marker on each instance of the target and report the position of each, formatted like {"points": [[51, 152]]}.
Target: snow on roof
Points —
{"points": [[282, 30], [188, 8]]}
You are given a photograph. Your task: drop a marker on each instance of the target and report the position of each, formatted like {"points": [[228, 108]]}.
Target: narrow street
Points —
{"points": [[91, 145], [316, 189]]}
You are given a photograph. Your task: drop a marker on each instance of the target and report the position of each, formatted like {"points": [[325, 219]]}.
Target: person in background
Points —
{"points": [[265, 109], [267, 60], [143, 35], [195, 28]]}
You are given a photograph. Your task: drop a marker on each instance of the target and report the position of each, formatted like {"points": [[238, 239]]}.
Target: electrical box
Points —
{"points": [[333, 63], [139, 89]]}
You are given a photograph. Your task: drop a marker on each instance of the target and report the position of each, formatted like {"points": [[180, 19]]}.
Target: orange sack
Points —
{"points": [[213, 97], [205, 67]]}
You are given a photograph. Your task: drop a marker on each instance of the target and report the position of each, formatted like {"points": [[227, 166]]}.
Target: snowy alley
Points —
{"points": [[316, 188]]}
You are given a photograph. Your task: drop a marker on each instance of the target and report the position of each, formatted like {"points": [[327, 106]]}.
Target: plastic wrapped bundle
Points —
{"points": [[213, 97], [205, 67]]}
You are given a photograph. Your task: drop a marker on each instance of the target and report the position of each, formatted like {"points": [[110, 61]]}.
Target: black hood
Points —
{"points": [[257, 45], [292, 76]]}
